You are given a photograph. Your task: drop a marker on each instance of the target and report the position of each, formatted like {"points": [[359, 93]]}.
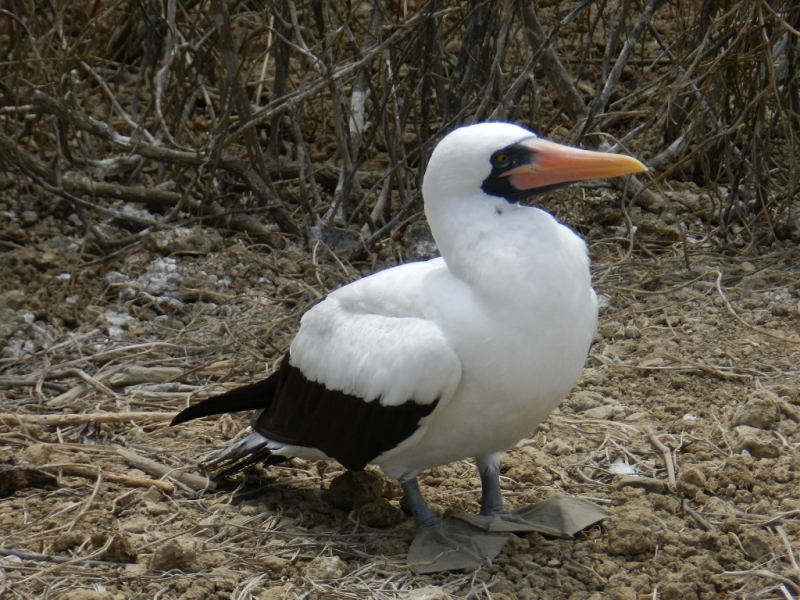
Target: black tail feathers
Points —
{"points": [[249, 397]]}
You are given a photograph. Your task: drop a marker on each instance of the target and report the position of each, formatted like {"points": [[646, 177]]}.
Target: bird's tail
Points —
{"points": [[249, 397], [250, 450]]}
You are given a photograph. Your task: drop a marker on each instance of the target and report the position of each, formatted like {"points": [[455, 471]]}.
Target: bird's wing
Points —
{"points": [[365, 368]]}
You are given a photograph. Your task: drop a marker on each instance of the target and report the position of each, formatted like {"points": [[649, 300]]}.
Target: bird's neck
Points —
{"points": [[494, 245], [472, 229]]}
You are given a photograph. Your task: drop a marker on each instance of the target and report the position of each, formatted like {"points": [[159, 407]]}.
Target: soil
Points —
{"points": [[685, 424]]}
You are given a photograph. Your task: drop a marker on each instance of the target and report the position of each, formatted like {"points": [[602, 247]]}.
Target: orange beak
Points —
{"points": [[554, 164]]}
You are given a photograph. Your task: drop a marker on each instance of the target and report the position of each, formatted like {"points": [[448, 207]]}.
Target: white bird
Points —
{"points": [[461, 356]]}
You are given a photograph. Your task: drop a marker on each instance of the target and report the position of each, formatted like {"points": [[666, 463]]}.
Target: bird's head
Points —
{"points": [[507, 161]]}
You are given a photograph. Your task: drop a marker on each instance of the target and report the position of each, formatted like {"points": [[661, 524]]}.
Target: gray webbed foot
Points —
{"points": [[454, 544], [559, 516]]}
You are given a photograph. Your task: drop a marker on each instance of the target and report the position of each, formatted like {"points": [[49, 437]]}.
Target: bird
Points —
{"points": [[460, 356]]}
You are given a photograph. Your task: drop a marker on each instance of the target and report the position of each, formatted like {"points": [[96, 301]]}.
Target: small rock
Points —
{"points": [[655, 361], [516, 545], [68, 540], [760, 411], [756, 545], [38, 454], [632, 332], [183, 240], [14, 299], [691, 481], [276, 593], [379, 513], [669, 320], [738, 471], [118, 551], [429, 592], [621, 593], [602, 413], [276, 564], [676, 590], [387, 547], [557, 447], [179, 554], [135, 524], [352, 489], [628, 538], [85, 594], [637, 416], [648, 484], [759, 443], [584, 400], [325, 568], [152, 495], [157, 508], [29, 217]]}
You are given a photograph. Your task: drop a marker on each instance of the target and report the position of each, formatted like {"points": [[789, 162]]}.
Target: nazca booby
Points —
{"points": [[461, 356]]}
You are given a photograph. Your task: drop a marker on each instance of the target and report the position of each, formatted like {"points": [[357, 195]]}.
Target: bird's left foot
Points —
{"points": [[559, 516]]}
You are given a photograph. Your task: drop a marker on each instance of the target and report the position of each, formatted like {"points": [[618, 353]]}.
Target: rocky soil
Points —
{"points": [[685, 424]]}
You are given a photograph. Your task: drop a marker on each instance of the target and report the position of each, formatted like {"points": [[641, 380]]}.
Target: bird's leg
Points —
{"points": [[423, 517], [559, 516], [491, 494], [446, 545]]}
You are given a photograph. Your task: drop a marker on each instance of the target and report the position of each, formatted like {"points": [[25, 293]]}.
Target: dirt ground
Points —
{"points": [[685, 424]]}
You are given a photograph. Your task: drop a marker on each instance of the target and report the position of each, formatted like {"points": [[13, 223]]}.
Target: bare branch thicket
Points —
{"points": [[315, 118]]}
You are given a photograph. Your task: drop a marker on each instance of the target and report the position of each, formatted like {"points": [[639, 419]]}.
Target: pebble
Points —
{"points": [[621, 593], [691, 481], [678, 590], [276, 593], [157, 508], [557, 447], [760, 411], [119, 550], [135, 524], [628, 538], [276, 564], [325, 568], [85, 594], [648, 484], [429, 592], [38, 454], [583, 400], [379, 513], [182, 239], [756, 545], [181, 554], [602, 413], [759, 443], [352, 489]]}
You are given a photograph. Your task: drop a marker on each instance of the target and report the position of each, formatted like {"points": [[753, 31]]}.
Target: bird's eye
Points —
{"points": [[501, 160]]}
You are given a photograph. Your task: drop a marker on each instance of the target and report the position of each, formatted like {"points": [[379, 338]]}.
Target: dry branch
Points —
{"points": [[195, 482], [82, 419], [562, 82], [359, 96], [73, 470]]}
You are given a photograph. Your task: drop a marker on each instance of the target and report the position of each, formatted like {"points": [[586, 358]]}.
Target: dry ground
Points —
{"points": [[686, 422]]}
